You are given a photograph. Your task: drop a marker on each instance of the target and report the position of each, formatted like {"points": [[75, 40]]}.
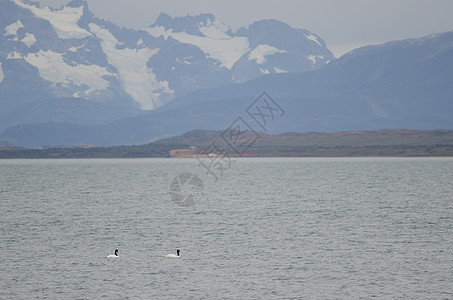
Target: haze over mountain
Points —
{"points": [[87, 81], [71, 55]]}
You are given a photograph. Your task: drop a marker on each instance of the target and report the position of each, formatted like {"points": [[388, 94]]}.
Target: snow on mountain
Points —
{"points": [[64, 21], [11, 34], [53, 68], [13, 28], [29, 39], [138, 80], [1, 73], [225, 50], [261, 51], [48, 53], [315, 58], [313, 38], [276, 48], [214, 29], [212, 39], [218, 42]]}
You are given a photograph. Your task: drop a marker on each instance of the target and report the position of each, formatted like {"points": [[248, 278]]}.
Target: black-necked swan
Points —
{"points": [[173, 255], [113, 255]]}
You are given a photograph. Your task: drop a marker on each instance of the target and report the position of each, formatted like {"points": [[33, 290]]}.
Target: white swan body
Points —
{"points": [[113, 255], [173, 255]]}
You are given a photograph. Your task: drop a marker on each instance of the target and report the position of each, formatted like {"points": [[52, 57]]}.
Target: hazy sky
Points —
{"points": [[343, 24]]}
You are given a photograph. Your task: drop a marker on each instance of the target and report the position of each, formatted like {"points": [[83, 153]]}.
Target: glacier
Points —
{"points": [[53, 68], [64, 21], [138, 80]]}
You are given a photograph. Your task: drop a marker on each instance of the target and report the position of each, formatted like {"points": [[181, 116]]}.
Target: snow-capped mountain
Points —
{"points": [[266, 47], [70, 53], [400, 84], [48, 53]]}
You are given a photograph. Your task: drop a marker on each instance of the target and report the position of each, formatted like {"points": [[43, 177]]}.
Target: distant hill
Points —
{"points": [[388, 137], [353, 143], [401, 143]]}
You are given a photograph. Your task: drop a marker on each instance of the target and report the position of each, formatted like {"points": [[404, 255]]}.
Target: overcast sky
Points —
{"points": [[342, 24]]}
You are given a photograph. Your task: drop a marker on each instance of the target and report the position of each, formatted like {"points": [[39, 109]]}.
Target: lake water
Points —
{"points": [[277, 228]]}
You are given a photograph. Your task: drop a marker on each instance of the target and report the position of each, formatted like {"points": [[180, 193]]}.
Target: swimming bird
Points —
{"points": [[173, 255], [113, 255]]}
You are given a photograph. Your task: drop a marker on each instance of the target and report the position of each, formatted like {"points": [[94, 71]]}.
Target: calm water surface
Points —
{"points": [[268, 228]]}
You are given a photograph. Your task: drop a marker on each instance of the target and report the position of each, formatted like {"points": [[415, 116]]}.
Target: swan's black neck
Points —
{"points": [[177, 252], [116, 252]]}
